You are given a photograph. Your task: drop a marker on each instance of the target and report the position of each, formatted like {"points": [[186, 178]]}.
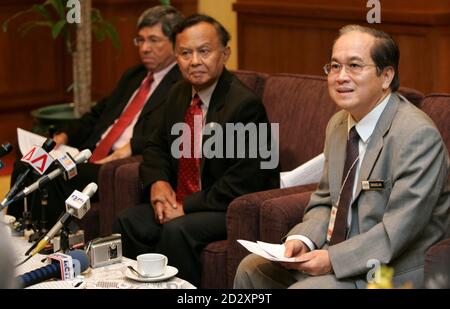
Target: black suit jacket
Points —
{"points": [[87, 131], [223, 179]]}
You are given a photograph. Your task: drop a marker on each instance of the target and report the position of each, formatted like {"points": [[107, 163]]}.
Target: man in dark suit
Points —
{"points": [[118, 125], [190, 192]]}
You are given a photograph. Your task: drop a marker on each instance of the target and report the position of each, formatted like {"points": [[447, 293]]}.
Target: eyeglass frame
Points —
{"points": [[152, 41], [348, 69]]}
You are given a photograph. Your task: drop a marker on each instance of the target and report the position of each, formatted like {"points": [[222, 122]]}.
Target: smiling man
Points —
{"points": [[118, 125], [383, 196], [189, 196]]}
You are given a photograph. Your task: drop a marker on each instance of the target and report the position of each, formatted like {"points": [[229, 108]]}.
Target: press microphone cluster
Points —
{"points": [[47, 146], [62, 266], [77, 205], [79, 158]]}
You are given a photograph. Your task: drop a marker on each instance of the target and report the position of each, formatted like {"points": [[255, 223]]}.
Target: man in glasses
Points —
{"points": [[118, 125], [383, 196]]}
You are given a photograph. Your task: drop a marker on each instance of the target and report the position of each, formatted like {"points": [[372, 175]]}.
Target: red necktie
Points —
{"points": [[189, 167], [134, 107], [345, 198]]}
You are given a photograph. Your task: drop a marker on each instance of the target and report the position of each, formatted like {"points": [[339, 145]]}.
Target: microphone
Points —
{"points": [[79, 158], [81, 204], [5, 149], [47, 146], [63, 266]]}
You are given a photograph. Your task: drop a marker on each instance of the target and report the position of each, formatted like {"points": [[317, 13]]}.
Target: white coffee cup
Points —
{"points": [[151, 264]]}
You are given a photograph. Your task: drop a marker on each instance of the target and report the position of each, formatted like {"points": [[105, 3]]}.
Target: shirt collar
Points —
{"points": [[366, 126], [158, 76], [205, 94]]}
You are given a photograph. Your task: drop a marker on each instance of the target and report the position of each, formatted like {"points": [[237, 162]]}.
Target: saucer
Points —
{"points": [[170, 272]]}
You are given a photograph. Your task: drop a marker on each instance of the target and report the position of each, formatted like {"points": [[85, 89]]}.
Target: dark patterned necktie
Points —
{"points": [[188, 180], [345, 197]]}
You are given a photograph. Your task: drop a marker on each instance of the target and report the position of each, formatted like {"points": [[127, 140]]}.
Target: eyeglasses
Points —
{"points": [[152, 41], [353, 68]]}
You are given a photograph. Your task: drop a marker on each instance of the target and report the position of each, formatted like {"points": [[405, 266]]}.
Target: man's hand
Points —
{"points": [[162, 198], [171, 213], [294, 248], [314, 263], [60, 138], [121, 153]]}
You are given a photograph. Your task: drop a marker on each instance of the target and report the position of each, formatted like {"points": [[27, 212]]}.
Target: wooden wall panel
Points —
{"points": [[35, 70], [295, 36], [32, 67]]}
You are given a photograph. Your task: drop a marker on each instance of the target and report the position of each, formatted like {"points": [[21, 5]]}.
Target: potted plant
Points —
{"points": [[75, 21]]}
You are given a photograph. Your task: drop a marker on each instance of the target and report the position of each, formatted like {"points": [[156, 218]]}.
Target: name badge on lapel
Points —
{"points": [[372, 185], [331, 222]]}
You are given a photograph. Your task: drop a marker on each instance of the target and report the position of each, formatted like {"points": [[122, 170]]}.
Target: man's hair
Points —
{"points": [[195, 19], [167, 15], [385, 52]]}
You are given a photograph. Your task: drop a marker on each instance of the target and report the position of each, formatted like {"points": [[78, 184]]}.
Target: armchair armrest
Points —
{"points": [[130, 193], [243, 217], [279, 215], [437, 267], [107, 188]]}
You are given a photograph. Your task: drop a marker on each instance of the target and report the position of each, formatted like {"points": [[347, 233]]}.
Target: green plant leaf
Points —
{"points": [[59, 7], [98, 32], [111, 32], [57, 27], [96, 16], [41, 10], [165, 2]]}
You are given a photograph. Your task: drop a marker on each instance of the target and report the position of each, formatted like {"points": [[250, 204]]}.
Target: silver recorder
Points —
{"points": [[105, 250]]}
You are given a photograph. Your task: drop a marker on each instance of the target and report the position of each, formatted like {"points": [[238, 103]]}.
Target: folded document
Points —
{"points": [[305, 174], [272, 252], [28, 139]]}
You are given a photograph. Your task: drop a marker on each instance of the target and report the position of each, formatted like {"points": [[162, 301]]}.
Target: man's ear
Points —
{"points": [[388, 75], [227, 53]]}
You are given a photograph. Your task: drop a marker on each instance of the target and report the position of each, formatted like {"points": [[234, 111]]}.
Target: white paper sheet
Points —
{"points": [[28, 139], [272, 252], [305, 174]]}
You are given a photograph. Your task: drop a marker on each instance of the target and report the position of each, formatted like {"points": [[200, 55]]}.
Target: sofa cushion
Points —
{"points": [[414, 96], [302, 107], [437, 106], [255, 81], [214, 265], [437, 267]]}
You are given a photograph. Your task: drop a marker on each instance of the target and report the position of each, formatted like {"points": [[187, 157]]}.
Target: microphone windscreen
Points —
{"points": [[81, 256], [83, 156], [90, 189], [48, 145]]}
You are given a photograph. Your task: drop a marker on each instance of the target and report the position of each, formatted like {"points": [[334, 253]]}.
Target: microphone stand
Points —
{"points": [[64, 239], [44, 205], [27, 223]]}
